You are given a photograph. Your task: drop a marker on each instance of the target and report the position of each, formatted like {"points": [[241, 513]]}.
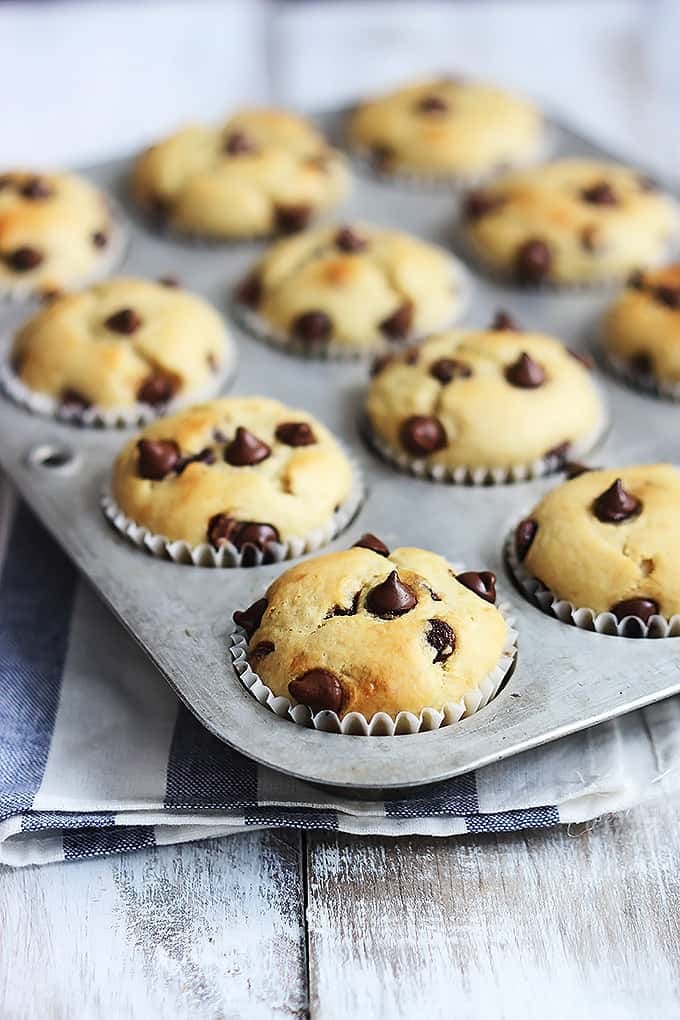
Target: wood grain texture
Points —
{"points": [[547, 925], [210, 931]]}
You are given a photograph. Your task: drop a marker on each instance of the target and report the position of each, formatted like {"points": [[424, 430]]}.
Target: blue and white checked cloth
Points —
{"points": [[97, 756]]}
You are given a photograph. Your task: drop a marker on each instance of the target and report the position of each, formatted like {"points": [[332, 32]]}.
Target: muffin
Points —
{"points": [[447, 128], [368, 631], [121, 344], [56, 232], [243, 476], [641, 331], [573, 221], [350, 290], [261, 172], [606, 542], [486, 405]]}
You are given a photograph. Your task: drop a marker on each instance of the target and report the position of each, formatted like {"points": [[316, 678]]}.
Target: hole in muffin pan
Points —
{"points": [[53, 457]]}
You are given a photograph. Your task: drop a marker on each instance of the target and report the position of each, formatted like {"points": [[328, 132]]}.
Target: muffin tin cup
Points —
{"points": [[205, 555], [381, 724], [259, 328], [583, 617], [114, 417], [110, 258], [647, 384], [468, 475]]}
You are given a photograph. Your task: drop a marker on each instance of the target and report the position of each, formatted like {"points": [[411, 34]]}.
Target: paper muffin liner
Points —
{"points": [[258, 327], [114, 417], [381, 724], [647, 384], [583, 617], [469, 475], [105, 263], [205, 555]]}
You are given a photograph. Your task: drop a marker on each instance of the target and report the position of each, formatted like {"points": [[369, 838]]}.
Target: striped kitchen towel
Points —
{"points": [[97, 756]]}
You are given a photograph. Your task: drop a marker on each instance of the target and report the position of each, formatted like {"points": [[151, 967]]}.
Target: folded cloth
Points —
{"points": [[97, 756]]}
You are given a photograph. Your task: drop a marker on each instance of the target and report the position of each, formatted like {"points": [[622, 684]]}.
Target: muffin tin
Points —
{"points": [[565, 679]]}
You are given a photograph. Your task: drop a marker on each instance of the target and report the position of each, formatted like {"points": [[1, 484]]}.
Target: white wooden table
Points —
{"points": [[549, 924]]}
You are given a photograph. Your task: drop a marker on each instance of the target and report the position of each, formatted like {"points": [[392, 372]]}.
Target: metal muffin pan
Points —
{"points": [[565, 680]]}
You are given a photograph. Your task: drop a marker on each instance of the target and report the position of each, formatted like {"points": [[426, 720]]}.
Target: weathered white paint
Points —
{"points": [[208, 931]]}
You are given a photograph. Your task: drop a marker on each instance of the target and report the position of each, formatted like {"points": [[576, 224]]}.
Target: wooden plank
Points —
{"points": [[209, 930], [549, 924]]}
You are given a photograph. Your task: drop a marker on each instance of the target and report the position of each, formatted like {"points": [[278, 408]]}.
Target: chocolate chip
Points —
{"points": [[169, 281], [204, 456], [480, 203], [350, 610], [533, 261], [440, 635], [23, 259], [157, 389], [391, 598], [573, 469], [642, 363], [422, 434], [482, 583], [641, 608], [36, 188], [398, 325], [295, 433], [291, 218], [382, 156], [50, 294], [261, 650], [157, 458], [381, 362], [250, 618], [312, 327], [160, 208], [669, 296], [615, 504], [239, 144], [73, 402], [588, 237], [246, 449], [348, 240], [556, 455], [222, 529], [647, 183], [584, 359], [370, 541], [432, 104], [318, 689], [249, 290], [525, 373], [525, 532], [636, 280], [125, 321], [100, 239], [410, 355], [445, 370], [502, 320], [601, 193]]}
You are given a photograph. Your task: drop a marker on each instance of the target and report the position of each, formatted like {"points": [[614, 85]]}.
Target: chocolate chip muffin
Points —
{"points": [[246, 473], [486, 405], [261, 172], [351, 290], [641, 330], [447, 128], [56, 232], [574, 221], [607, 541], [120, 344], [366, 630]]}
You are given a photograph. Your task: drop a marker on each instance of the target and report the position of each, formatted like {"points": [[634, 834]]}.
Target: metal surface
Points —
{"points": [[566, 679]]}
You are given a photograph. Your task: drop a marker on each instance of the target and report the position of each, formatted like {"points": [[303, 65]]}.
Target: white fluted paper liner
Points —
{"points": [[115, 417], [262, 330], [467, 475], [648, 384], [582, 617], [381, 724], [205, 555], [106, 261]]}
